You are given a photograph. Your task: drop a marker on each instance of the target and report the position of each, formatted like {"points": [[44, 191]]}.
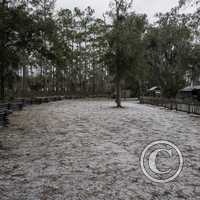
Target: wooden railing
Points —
{"points": [[7, 108], [173, 104]]}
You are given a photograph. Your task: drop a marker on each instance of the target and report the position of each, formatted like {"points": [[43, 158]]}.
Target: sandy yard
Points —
{"points": [[88, 150]]}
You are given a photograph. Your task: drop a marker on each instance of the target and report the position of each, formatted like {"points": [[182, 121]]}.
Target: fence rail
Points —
{"points": [[173, 104], [7, 108]]}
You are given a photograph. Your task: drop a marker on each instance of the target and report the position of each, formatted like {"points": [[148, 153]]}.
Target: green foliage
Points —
{"points": [[125, 43], [167, 49], [71, 51]]}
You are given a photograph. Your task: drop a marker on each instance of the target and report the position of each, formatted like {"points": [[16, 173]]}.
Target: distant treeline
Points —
{"points": [[47, 52]]}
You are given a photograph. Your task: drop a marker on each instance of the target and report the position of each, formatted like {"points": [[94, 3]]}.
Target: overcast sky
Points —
{"points": [[150, 7]]}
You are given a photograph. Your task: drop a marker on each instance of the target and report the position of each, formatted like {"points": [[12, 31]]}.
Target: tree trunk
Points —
{"points": [[24, 81], [118, 63], [2, 44], [2, 83], [118, 90]]}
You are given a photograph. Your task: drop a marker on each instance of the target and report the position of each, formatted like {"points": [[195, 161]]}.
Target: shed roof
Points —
{"points": [[154, 88], [190, 88]]}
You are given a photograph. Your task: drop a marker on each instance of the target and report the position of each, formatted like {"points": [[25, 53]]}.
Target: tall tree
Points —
{"points": [[119, 12], [16, 31], [125, 41], [167, 47]]}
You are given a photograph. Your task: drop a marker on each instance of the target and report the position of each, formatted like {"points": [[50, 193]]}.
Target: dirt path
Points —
{"points": [[87, 150]]}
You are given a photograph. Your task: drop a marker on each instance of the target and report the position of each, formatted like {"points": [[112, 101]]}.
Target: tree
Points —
{"points": [[167, 52], [22, 29], [118, 13], [83, 44], [15, 37], [125, 41]]}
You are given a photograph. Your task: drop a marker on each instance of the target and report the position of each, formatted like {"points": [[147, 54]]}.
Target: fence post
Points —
{"points": [[176, 105], [188, 108], [171, 105]]}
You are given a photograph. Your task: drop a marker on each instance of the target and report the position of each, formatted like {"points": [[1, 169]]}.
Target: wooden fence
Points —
{"points": [[173, 104], [7, 108]]}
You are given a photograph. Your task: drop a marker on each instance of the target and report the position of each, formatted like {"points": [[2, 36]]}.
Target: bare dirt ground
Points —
{"points": [[87, 150]]}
